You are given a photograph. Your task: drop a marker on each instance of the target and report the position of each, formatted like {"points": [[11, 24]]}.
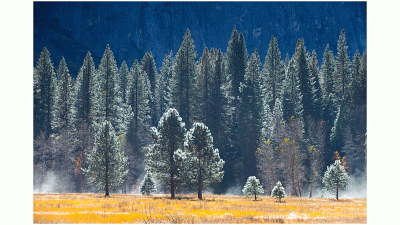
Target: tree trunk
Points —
{"points": [[255, 197], [199, 188], [337, 191]]}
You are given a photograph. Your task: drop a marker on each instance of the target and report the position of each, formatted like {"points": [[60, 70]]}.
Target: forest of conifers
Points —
{"points": [[286, 119]]}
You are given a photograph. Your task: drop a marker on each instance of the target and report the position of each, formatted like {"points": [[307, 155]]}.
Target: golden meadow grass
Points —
{"points": [[95, 208]]}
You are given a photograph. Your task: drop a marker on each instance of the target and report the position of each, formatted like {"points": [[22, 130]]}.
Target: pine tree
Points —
{"points": [[362, 81], [250, 114], [138, 132], [356, 83], [138, 99], [63, 99], [107, 164], [302, 71], [278, 191], [162, 88], [342, 73], [84, 110], [164, 157], [221, 120], [236, 60], [203, 164], [182, 85], [44, 90], [148, 186], [354, 152], [253, 187], [335, 178], [108, 93], [203, 85], [277, 126], [85, 103], [327, 72], [292, 97], [273, 73], [315, 87], [149, 66], [124, 78]]}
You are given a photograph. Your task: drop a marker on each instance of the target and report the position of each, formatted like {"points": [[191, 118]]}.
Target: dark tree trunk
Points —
{"points": [[337, 191]]}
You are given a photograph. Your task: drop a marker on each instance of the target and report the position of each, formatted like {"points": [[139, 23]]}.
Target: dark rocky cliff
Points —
{"points": [[71, 29]]}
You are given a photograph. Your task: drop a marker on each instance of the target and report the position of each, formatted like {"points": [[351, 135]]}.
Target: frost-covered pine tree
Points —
{"points": [[44, 90], [278, 192], [107, 163], [164, 157], [335, 178], [204, 166], [63, 99], [253, 187], [148, 186]]}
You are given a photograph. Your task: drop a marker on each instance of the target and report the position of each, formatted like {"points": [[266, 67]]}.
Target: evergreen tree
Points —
{"points": [[292, 97], [44, 90], [315, 86], [63, 99], [182, 85], [273, 72], [221, 120], [84, 110], [108, 93], [203, 88], [362, 81], [236, 62], [149, 66], [335, 178], [250, 114], [164, 157], [107, 164], [253, 187], [356, 83], [204, 165], [327, 72], [278, 191], [138, 99], [162, 88], [85, 103], [353, 83], [303, 73], [354, 152], [138, 132], [124, 77], [148, 186], [342, 70], [277, 126]]}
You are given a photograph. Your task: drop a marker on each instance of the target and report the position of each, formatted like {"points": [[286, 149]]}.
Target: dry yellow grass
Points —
{"points": [[94, 208]]}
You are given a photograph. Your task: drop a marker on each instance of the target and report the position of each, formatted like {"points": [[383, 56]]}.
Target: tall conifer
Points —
{"points": [[250, 114], [45, 82], [182, 85], [273, 73]]}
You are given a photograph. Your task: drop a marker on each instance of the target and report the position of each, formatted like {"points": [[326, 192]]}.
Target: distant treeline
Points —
{"points": [[281, 121]]}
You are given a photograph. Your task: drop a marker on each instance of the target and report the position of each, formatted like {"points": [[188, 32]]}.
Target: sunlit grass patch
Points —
{"points": [[94, 208]]}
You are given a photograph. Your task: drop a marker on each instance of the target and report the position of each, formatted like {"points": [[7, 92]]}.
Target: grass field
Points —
{"points": [[95, 208]]}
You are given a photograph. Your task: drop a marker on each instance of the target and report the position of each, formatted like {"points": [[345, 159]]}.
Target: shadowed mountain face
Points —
{"points": [[71, 29]]}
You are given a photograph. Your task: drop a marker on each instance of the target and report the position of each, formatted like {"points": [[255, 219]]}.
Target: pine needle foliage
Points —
{"points": [[278, 192], [335, 178], [253, 187]]}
